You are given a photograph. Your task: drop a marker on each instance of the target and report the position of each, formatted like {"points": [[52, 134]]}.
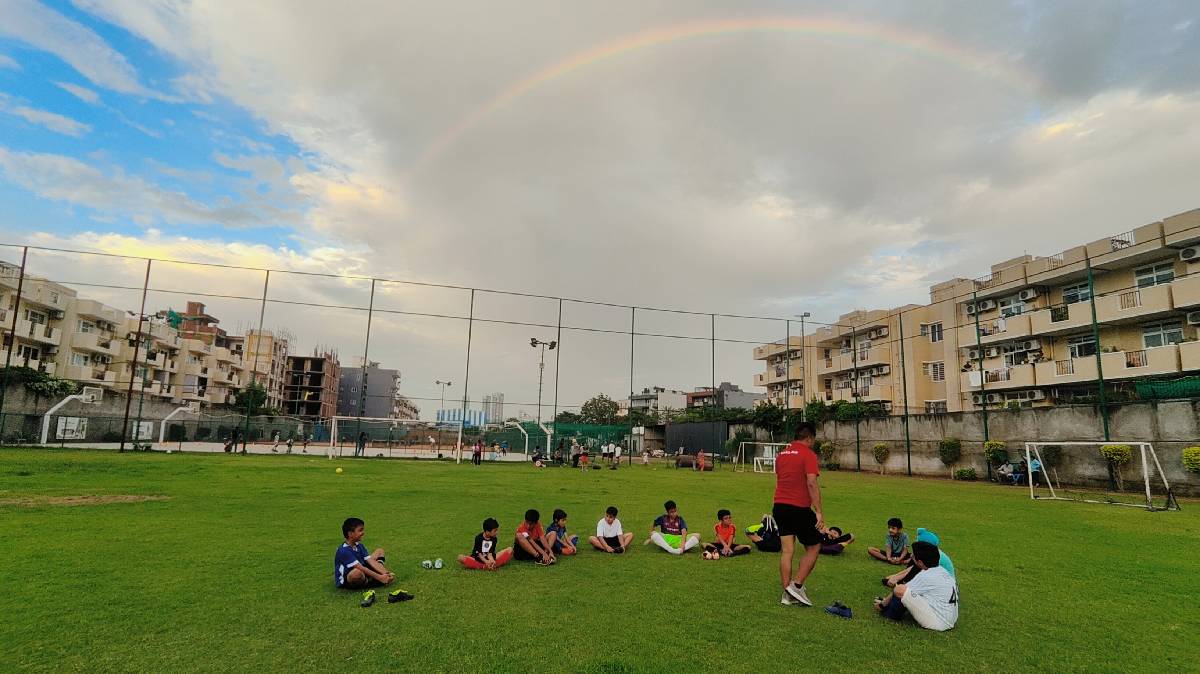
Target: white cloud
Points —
{"points": [[9, 62], [82, 93], [52, 121], [85, 51]]}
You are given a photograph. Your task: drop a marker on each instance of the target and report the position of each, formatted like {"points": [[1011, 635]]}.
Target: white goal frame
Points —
{"points": [[760, 464], [1145, 449], [336, 421]]}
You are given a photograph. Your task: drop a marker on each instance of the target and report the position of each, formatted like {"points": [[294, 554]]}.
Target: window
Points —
{"points": [[80, 359], [1152, 275], [1012, 306], [1081, 346], [354, 389], [935, 407], [1161, 334], [1080, 292], [53, 297], [935, 333], [193, 360], [85, 326], [936, 370], [1016, 358], [35, 317], [29, 352]]}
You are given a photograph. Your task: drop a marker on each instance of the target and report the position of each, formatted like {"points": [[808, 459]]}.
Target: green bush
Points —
{"points": [[1117, 455], [950, 450], [965, 474], [881, 452], [1191, 459], [996, 452], [832, 465], [732, 444], [826, 449]]}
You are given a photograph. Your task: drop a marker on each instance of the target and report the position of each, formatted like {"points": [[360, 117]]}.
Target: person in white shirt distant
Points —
{"points": [[610, 537], [931, 598]]}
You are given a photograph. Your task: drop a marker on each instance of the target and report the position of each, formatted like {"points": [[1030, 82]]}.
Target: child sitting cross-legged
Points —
{"points": [[895, 546], [531, 544], [561, 543], [483, 553], [725, 530]]}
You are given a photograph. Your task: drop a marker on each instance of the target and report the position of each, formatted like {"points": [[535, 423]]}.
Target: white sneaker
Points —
{"points": [[797, 592], [787, 600]]}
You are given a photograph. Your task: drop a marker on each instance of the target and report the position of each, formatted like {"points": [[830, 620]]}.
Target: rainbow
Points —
{"points": [[920, 43]]}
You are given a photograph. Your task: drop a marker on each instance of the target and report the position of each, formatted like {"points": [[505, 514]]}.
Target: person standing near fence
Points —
{"points": [[797, 512]]}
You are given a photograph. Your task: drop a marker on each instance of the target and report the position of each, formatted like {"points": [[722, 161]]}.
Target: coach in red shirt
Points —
{"points": [[797, 512]]}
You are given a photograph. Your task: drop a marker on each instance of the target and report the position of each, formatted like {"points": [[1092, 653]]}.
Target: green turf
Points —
{"points": [[233, 572]]}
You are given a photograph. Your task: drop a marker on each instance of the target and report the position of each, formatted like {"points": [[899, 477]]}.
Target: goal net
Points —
{"points": [[1115, 472], [758, 457], [386, 437]]}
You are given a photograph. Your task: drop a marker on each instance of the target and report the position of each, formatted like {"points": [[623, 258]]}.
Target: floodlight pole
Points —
{"points": [[535, 342], [441, 408], [466, 377], [557, 360], [137, 343], [904, 387], [262, 313], [362, 394], [12, 331]]}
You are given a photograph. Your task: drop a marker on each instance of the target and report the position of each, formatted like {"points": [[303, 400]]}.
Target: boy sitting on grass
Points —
{"points": [[353, 568], [674, 537], [931, 598], [561, 543], [833, 542], [725, 531], [944, 561], [895, 546], [531, 544], [483, 553], [610, 537], [765, 535]]}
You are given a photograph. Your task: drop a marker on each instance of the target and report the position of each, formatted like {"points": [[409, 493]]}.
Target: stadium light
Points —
{"points": [[535, 343]]}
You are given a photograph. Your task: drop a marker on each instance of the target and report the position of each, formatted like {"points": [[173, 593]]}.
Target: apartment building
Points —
{"points": [[382, 398], [724, 396], [1020, 336], [40, 315], [264, 358], [656, 399], [312, 386], [493, 408]]}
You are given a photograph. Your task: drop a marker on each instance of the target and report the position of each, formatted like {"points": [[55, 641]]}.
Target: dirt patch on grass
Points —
{"points": [[80, 500]]}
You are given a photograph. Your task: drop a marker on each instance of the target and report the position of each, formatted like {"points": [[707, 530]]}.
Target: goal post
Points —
{"points": [[1091, 467], [758, 457], [408, 437]]}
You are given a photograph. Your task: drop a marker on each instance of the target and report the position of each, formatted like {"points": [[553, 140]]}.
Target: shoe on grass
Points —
{"points": [[368, 599], [787, 600], [839, 610], [398, 595], [798, 593], [437, 563]]}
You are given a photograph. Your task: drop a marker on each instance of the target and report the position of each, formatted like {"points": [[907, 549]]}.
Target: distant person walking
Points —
{"points": [[361, 448]]}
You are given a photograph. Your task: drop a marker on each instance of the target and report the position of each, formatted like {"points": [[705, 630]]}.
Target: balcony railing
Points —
{"points": [[1003, 374], [1136, 359], [1059, 313], [1121, 241], [1064, 367], [1131, 299]]}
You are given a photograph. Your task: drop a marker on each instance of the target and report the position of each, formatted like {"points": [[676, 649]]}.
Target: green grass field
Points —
{"points": [[232, 571]]}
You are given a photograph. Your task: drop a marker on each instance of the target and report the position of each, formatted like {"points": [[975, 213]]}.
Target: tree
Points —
{"points": [[600, 410], [254, 399], [565, 417], [769, 417]]}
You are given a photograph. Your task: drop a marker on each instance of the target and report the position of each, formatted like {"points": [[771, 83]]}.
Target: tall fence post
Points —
{"points": [[629, 408], [787, 350], [466, 378], [1099, 361], [362, 394], [857, 400], [137, 343], [982, 371], [262, 314], [904, 385], [557, 361], [12, 338]]}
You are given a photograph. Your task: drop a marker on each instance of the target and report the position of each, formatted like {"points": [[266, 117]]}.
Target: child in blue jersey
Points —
{"points": [[895, 546], [561, 543], [352, 566]]}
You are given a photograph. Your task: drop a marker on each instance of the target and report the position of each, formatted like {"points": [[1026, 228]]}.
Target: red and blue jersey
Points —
{"points": [[345, 559]]}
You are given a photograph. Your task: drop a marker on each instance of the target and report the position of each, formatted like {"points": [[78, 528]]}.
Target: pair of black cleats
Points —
{"points": [[393, 597]]}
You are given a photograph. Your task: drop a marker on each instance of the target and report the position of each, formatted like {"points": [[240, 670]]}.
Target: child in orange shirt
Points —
{"points": [[724, 545]]}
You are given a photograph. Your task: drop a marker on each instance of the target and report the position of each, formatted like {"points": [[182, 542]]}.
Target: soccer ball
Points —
{"points": [[427, 564], [338, 471]]}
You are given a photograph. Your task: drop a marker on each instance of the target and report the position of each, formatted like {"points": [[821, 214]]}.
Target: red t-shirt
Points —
{"points": [[725, 533], [535, 533], [792, 467]]}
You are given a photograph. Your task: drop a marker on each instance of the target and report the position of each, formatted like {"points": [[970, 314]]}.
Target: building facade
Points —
{"points": [[1021, 336], [493, 408], [382, 398], [311, 391], [657, 399], [265, 358], [724, 396]]}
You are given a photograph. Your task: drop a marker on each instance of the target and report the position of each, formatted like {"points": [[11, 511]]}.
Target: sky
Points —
{"points": [[758, 160]]}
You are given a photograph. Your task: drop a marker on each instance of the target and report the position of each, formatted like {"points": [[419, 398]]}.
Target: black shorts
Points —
{"points": [[768, 544], [798, 522], [613, 542], [520, 555]]}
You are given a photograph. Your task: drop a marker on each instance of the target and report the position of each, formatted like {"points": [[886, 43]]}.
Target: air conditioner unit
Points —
{"points": [[1037, 395], [1193, 318], [1028, 294], [972, 354], [991, 352], [883, 369], [977, 398], [878, 333], [1010, 348], [985, 305], [1190, 254], [970, 308], [1032, 345], [994, 398]]}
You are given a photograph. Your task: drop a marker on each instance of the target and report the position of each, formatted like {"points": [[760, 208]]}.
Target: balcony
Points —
{"points": [[1141, 363], [97, 342], [1067, 371], [760, 379], [1061, 318], [1001, 282], [995, 330], [1132, 247], [1134, 305], [38, 332], [18, 361], [1189, 356], [98, 311], [1185, 292], [89, 375], [1056, 269], [1182, 229], [1015, 376]]}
